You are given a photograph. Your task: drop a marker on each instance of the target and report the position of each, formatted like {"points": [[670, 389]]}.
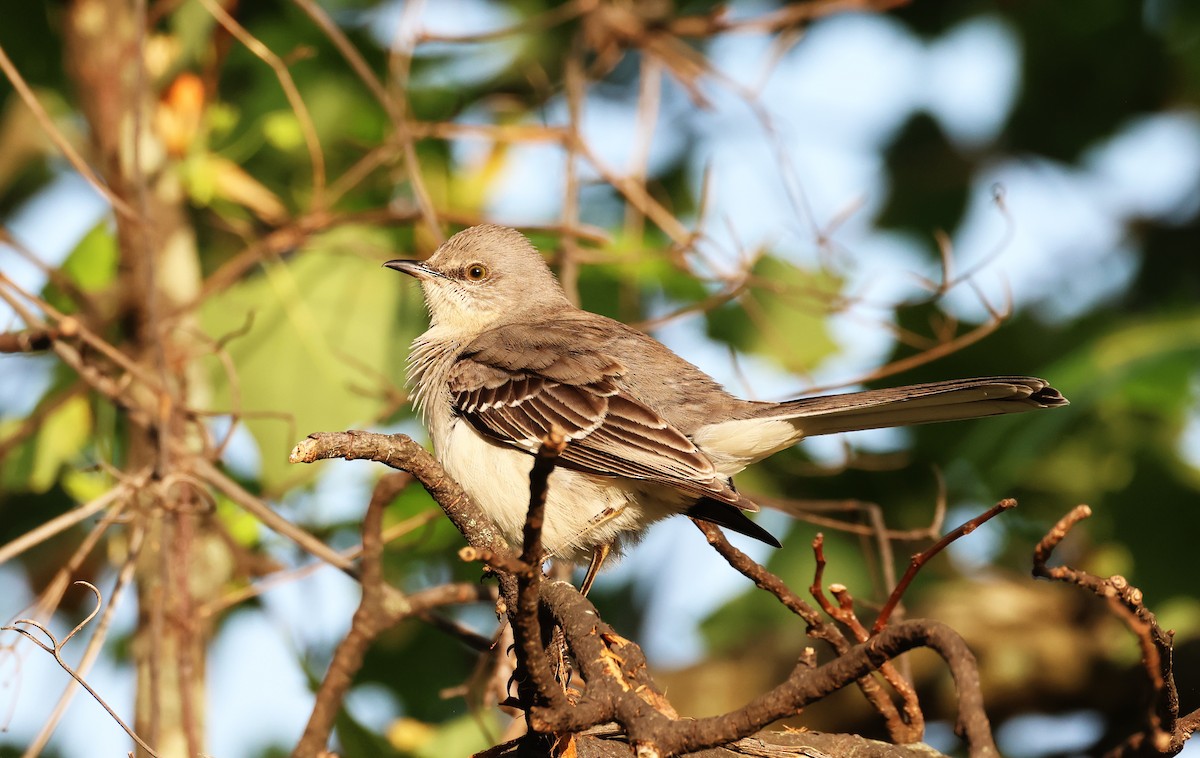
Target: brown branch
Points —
{"points": [[920, 559], [798, 691], [27, 341], [805, 510], [307, 128], [55, 647], [55, 593], [62, 522], [1165, 732], [503, 561], [817, 628], [543, 20], [380, 608], [614, 684], [400, 60], [538, 687], [369, 620], [401, 452], [56, 136], [269, 518], [906, 724]]}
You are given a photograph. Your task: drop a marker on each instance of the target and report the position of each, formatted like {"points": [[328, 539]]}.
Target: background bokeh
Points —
{"points": [[1015, 185]]}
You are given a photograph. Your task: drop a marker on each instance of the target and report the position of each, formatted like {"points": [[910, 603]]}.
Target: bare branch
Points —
{"points": [[401, 452], [1165, 731], [920, 559], [307, 128], [56, 136]]}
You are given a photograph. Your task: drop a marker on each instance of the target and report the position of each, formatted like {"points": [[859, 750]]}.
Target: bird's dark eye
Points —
{"points": [[477, 272]]}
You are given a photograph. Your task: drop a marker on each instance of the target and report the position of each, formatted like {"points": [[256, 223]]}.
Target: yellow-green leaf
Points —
{"points": [[62, 436], [239, 525], [781, 316], [322, 346], [282, 129], [85, 486]]}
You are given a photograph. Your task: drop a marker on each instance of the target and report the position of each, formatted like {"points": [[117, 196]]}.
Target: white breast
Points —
{"points": [[497, 478]]}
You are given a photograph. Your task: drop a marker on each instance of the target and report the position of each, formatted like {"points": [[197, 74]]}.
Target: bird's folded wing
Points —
{"points": [[516, 396]]}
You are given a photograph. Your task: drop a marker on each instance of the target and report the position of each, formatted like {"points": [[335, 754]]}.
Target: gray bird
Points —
{"points": [[507, 357]]}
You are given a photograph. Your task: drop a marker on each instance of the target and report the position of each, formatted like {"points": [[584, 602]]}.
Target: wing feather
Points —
{"points": [[517, 396]]}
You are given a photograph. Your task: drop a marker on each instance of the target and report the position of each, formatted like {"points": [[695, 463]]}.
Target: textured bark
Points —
{"points": [[764, 745]]}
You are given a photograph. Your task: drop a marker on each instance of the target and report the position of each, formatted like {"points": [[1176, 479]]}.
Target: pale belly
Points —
{"points": [[582, 511]]}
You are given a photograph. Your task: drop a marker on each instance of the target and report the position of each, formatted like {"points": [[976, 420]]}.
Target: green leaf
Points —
{"points": [[322, 343], [460, 736], [92, 266], [63, 434], [781, 317], [282, 130], [356, 739], [93, 263], [241, 527], [86, 486]]}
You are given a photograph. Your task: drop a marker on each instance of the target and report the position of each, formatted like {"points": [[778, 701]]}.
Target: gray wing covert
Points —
{"points": [[513, 384]]}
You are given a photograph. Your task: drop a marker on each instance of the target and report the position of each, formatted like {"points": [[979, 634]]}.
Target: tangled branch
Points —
{"points": [[1165, 730], [615, 682]]}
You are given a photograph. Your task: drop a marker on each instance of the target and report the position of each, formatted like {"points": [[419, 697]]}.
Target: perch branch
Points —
{"points": [[816, 626], [401, 452]]}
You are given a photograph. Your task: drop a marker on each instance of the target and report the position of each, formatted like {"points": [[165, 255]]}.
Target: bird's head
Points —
{"points": [[484, 276]]}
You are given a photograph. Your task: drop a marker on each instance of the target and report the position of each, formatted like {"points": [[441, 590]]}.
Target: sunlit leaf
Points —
{"points": [[91, 266], [241, 527], [85, 485], [409, 735], [282, 129], [322, 346], [63, 434], [781, 316], [460, 736]]}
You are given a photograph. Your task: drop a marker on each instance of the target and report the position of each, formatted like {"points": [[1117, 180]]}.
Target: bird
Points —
{"points": [[508, 357]]}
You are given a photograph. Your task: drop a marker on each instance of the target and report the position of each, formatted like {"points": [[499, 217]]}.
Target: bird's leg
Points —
{"points": [[599, 553]]}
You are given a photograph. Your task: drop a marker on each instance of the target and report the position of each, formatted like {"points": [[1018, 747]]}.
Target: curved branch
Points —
{"points": [[400, 452]]}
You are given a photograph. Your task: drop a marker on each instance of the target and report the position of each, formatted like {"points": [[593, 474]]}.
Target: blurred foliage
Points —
{"points": [[316, 335]]}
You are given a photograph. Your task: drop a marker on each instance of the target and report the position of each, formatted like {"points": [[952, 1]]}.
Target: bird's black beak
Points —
{"points": [[418, 269]]}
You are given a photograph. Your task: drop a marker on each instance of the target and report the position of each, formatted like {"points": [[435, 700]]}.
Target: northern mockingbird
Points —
{"points": [[507, 356]]}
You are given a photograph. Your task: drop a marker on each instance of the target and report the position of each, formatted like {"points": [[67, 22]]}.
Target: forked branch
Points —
{"points": [[613, 681], [1165, 731]]}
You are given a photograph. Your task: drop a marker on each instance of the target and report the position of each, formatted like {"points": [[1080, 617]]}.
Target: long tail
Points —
{"points": [[770, 427], [916, 404]]}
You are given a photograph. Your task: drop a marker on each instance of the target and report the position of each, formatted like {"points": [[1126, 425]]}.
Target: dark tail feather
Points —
{"points": [[730, 517], [917, 404]]}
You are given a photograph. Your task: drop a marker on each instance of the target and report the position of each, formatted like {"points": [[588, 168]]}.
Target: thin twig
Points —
{"points": [[527, 627], [60, 523], [56, 136], [1165, 731], [55, 648], [291, 92], [920, 559], [269, 518], [816, 627]]}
